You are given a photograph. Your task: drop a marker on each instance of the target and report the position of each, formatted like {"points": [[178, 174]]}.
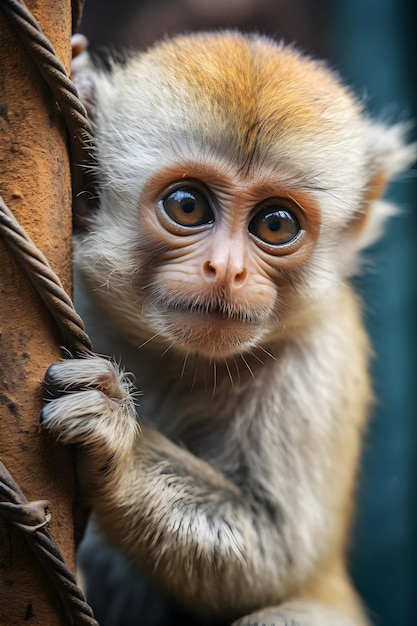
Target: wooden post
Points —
{"points": [[35, 183]]}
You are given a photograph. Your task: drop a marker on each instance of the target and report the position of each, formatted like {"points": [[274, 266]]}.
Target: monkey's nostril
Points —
{"points": [[241, 276], [209, 269], [218, 272]]}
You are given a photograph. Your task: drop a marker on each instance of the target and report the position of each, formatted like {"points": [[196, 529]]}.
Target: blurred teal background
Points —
{"points": [[373, 42]]}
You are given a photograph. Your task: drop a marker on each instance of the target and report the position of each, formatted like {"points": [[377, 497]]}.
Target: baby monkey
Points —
{"points": [[238, 183]]}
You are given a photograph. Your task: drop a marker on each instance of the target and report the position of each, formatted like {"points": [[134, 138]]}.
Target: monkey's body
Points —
{"points": [[238, 183], [304, 464]]}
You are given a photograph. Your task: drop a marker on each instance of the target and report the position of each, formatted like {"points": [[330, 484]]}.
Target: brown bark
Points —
{"points": [[35, 183]]}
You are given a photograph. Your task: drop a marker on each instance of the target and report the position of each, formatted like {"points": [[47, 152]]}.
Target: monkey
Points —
{"points": [[238, 182]]}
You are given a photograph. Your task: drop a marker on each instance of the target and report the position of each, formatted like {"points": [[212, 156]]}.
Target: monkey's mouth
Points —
{"points": [[214, 328], [213, 310]]}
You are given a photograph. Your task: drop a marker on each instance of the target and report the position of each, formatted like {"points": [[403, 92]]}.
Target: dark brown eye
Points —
{"points": [[188, 207], [275, 225]]}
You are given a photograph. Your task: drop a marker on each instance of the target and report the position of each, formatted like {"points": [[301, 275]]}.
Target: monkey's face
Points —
{"points": [[217, 249]]}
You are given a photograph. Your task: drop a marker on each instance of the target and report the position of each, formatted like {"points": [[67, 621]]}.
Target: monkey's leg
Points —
{"points": [[329, 600], [298, 614]]}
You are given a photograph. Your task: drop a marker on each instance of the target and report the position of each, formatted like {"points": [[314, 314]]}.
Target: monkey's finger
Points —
{"points": [[78, 418], [90, 418], [81, 406], [88, 373]]}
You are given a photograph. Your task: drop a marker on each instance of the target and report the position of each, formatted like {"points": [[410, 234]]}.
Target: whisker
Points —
{"points": [[237, 370], [150, 339], [148, 298], [255, 356], [183, 365], [151, 284], [248, 366], [214, 378], [274, 358], [229, 373], [167, 350]]}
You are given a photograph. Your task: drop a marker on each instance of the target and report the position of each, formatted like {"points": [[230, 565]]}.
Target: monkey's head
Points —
{"points": [[238, 182]]}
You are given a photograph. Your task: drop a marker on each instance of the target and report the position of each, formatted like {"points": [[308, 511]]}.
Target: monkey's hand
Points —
{"points": [[91, 405]]}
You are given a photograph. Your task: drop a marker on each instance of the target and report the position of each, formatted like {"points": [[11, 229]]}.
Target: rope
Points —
{"points": [[46, 282], [53, 72], [32, 517]]}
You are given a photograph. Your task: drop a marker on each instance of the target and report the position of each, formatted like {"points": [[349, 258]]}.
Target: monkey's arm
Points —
{"points": [[204, 537]]}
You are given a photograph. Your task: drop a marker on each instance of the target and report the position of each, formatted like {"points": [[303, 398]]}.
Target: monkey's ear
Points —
{"points": [[83, 182], [82, 72], [388, 155]]}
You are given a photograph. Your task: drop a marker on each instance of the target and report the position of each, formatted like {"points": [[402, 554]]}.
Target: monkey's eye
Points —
{"points": [[188, 207], [275, 225]]}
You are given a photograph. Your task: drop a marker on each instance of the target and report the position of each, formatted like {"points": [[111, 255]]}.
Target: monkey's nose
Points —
{"points": [[228, 273]]}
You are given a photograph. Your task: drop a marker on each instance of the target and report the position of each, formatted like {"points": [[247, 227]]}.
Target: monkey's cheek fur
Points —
{"points": [[213, 336]]}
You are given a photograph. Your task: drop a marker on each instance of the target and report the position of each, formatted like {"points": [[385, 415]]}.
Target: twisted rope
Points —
{"points": [[53, 72], [32, 517], [46, 282]]}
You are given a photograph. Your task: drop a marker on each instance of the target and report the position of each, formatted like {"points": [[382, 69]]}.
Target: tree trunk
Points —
{"points": [[35, 184]]}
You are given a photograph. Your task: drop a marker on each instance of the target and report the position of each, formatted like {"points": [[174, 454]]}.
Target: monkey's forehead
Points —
{"points": [[248, 79], [244, 97]]}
